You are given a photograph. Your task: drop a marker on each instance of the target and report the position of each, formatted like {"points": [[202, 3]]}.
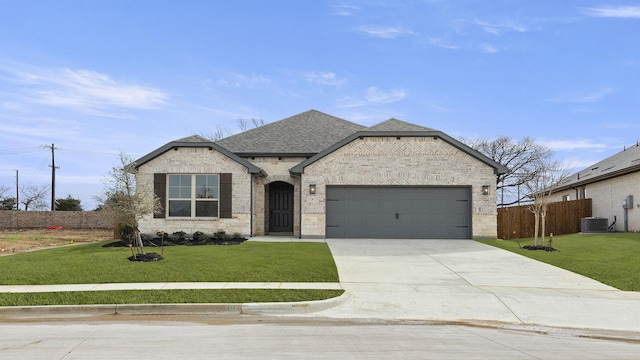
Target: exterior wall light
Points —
{"points": [[485, 189], [312, 189]]}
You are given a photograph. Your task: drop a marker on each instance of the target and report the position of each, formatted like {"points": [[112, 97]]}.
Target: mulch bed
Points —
{"points": [[151, 242], [539, 247]]}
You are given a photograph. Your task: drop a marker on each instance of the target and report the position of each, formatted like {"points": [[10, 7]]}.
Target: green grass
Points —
{"points": [[165, 297], [611, 258], [247, 262]]}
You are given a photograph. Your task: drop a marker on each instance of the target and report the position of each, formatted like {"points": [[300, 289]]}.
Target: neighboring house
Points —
{"points": [[609, 183], [314, 175]]}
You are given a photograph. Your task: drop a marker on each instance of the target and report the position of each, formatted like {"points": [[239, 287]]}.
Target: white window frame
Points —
{"points": [[193, 198]]}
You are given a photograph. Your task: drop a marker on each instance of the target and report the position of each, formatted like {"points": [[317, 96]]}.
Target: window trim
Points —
{"points": [[193, 199]]}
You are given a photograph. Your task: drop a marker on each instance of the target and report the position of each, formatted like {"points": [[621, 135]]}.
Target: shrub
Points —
{"points": [[222, 236], [199, 236], [126, 232], [179, 235]]}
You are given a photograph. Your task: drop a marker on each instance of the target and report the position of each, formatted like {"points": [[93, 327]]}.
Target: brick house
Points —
{"points": [[313, 175], [613, 185]]}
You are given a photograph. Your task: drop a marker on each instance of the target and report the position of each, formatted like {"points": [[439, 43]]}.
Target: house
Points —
{"points": [[613, 185], [314, 175]]}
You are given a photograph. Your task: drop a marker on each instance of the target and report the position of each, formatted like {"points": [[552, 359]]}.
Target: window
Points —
{"points": [[193, 195], [566, 198]]}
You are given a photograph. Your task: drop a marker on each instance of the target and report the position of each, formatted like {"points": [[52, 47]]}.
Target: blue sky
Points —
{"points": [[99, 77]]}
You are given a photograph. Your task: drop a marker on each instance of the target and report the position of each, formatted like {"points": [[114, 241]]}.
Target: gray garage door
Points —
{"points": [[398, 212]]}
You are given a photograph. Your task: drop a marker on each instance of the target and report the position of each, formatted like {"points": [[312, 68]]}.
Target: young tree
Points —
{"points": [[68, 204], [33, 196], [540, 185], [8, 203], [127, 202], [523, 159]]}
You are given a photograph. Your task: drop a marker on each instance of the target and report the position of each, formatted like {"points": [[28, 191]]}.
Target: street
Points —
{"points": [[256, 337]]}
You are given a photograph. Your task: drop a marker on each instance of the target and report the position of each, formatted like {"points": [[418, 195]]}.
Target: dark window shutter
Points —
{"points": [[160, 190], [226, 193]]}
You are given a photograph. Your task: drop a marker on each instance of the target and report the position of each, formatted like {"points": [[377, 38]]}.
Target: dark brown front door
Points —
{"points": [[280, 207]]}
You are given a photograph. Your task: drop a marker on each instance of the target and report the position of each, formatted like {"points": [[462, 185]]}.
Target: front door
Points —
{"points": [[280, 207]]}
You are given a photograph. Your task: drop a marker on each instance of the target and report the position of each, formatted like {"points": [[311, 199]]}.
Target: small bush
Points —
{"points": [[199, 236], [179, 235], [126, 232], [222, 236]]}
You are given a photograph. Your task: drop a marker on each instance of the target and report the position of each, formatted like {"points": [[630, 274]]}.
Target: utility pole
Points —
{"points": [[53, 175], [17, 193]]}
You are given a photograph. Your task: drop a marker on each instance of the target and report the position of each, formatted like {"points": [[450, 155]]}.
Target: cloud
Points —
{"points": [[238, 80], [83, 90], [489, 49], [584, 97], [324, 78], [573, 145], [442, 44], [373, 95], [625, 12], [497, 29], [388, 32], [344, 10]]}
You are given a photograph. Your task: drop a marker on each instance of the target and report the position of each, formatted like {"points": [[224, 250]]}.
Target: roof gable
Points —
{"points": [[622, 163], [397, 125], [304, 134], [198, 141], [405, 127]]}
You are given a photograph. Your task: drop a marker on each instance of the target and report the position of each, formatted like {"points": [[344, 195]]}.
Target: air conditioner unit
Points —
{"points": [[594, 225]]}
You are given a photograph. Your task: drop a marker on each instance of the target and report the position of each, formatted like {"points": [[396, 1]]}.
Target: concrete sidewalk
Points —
{"points": [[167, 286]]}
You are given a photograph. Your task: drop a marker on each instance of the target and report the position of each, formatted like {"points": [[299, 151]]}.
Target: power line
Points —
{"points": [[18, 151]]}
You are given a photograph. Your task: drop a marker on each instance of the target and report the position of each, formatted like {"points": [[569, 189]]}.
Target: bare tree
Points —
{"points": [[33, 196], [257, 122], [540, 185], [127, 202], [523, 159], [222, 131], [3, 189], [242, 124]]}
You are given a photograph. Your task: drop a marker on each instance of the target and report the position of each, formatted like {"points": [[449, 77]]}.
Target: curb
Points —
{"points": [[273, 308]]}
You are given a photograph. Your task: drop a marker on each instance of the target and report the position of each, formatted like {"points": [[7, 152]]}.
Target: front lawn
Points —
{"points": [[247, 262], [94, 264], [611, 258]]}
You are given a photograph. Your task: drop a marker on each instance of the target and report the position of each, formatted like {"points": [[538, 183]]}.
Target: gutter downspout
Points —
{"points": [[251, 209], [300, 209]]}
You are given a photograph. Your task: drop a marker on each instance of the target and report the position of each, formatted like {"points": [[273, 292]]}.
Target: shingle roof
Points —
{"points": [[305, 134], [624, 162], [397, 125]]}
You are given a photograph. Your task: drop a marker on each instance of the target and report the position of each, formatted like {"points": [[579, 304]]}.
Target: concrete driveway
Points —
{"points": [[463, 280]]}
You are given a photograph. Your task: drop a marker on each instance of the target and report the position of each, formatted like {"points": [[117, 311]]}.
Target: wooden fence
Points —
{"points": [[563, 217]]}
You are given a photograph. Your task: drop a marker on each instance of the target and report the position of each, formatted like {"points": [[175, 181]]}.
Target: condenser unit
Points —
{"points": [[594, 225]]}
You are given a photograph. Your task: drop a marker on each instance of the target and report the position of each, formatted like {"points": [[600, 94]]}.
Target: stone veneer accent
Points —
{"points": [[200, 160], [277, 169], [403, 161]]}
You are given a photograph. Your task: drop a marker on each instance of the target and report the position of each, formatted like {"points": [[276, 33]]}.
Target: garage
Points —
{"points": [[398, 212]]}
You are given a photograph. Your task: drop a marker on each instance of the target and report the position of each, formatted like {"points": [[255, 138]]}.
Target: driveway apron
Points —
{"points": [[463, 280]]}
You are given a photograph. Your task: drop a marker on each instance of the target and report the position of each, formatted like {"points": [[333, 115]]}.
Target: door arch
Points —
{"points": [[280, 207]]}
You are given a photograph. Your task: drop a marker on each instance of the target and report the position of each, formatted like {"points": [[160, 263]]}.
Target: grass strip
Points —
{"points": [[247, 262], [611, 258], [230, 296]]}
